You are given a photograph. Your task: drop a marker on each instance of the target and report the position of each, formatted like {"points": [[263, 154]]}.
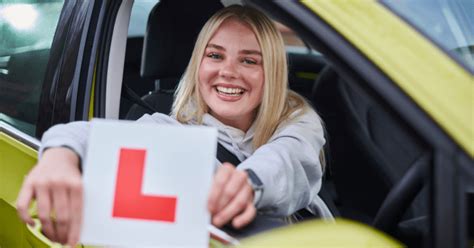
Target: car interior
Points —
{"points": [[369, 149]]}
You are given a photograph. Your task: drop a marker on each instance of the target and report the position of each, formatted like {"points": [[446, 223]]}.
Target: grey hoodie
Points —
{"points": [[288, 165]]}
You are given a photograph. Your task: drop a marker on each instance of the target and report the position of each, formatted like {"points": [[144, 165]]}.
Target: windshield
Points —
{"points": [[448, 23]]}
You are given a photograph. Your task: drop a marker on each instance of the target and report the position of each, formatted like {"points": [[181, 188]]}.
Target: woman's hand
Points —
{"points": [[56, 184], [231, 197]]}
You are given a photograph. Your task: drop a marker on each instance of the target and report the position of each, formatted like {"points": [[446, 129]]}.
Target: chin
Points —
{"points": [[227, 115]]}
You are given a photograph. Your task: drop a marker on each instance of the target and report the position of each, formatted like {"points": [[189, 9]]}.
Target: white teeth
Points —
{"points": [[233, 91]]}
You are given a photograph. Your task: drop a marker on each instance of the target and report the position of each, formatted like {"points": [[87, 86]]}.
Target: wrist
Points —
{"points": [[63, 153]]}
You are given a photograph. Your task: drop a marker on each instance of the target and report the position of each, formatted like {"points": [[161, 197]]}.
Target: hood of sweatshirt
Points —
{"points": [[233, 139]]}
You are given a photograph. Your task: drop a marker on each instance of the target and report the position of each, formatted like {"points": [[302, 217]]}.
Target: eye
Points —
{"points": [[249, 61], [214, 56]]}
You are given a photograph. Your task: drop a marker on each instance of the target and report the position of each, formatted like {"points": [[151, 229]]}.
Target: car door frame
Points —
{"points": [[76, 75], [447, 224]]}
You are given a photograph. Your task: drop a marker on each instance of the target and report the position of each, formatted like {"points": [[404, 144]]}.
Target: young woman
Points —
{"points": [[236, 81]]}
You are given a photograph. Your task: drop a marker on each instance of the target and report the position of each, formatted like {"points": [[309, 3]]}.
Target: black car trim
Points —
{"points": [[71, 97], [450, 54], [73, 57], [95, 32], [82, 90], [103, 59], [445, 202], [46, 114], [465, 196]]}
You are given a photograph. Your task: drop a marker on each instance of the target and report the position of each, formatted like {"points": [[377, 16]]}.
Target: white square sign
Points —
{"points": [[147, 184]]}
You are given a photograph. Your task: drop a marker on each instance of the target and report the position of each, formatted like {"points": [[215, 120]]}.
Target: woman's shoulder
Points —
{"points": [[305, 114], [303, 121]]}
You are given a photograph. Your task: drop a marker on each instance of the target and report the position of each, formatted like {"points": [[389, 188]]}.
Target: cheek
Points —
{"points": [[201, 74], [205, 73], [258, 80]]}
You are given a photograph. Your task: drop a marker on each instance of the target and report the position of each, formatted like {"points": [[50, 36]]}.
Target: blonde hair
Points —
{"points": [[278, 102]]}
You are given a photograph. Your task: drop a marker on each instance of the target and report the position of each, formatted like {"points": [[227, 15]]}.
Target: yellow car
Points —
{"points": [[392, 80]]}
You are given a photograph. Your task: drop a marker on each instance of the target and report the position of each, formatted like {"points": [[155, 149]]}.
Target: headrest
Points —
{"points": [[172, 29]]}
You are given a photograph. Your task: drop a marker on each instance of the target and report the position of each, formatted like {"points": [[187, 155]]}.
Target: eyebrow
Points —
{"points": [[245, 51]]}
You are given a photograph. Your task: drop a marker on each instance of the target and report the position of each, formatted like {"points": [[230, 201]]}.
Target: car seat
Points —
{"points": [[371, 148], [168, 43], [303, 69], [131, 74]]}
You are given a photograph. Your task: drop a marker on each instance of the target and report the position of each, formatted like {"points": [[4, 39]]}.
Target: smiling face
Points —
{"points": [[231, 75]]}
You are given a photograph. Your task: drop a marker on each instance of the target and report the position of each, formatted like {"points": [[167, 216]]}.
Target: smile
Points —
{"points": [[230, 91]]}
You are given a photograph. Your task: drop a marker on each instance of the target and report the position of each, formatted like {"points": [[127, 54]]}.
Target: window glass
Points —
{"points": [[304, 63], [449, 23], [138, 20], [294, 43], [26, 33], [289, 36]]}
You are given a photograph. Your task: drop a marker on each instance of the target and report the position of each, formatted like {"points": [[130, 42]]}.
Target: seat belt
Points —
{"points": [[128, 93], [223, 155]]}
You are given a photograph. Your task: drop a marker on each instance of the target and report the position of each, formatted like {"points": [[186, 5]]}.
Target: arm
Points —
{"points": [[56, 182], [74, 135], [289, 166]]}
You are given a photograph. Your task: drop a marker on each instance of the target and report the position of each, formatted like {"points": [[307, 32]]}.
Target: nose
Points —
{"points": [[228, 69]]}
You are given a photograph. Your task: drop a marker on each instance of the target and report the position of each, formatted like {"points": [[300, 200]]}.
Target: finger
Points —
{"points": [[62, 214], [23, 203], [44, 211], [76, 197], [220, 179], [236, 206], [233, 186], [246, 217]]}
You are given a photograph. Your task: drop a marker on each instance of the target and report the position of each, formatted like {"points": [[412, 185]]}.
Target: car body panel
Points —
{"points": [[320, 233], [15, 233], [16, 160], [443, 88]]}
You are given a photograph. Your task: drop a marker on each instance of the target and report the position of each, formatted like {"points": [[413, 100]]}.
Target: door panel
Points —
{"points": [[16, 159]]}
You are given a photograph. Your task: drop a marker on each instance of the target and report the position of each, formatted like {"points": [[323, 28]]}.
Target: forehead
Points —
{"points": [[235, 33]]}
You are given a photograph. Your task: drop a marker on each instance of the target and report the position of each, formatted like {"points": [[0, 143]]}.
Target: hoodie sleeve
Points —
{"points": [[72, 135], [288, 166], [75, 135]]}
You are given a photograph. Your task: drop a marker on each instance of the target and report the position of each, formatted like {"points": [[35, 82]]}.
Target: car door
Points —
{"points": [[426, 88], [51, 53]]}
